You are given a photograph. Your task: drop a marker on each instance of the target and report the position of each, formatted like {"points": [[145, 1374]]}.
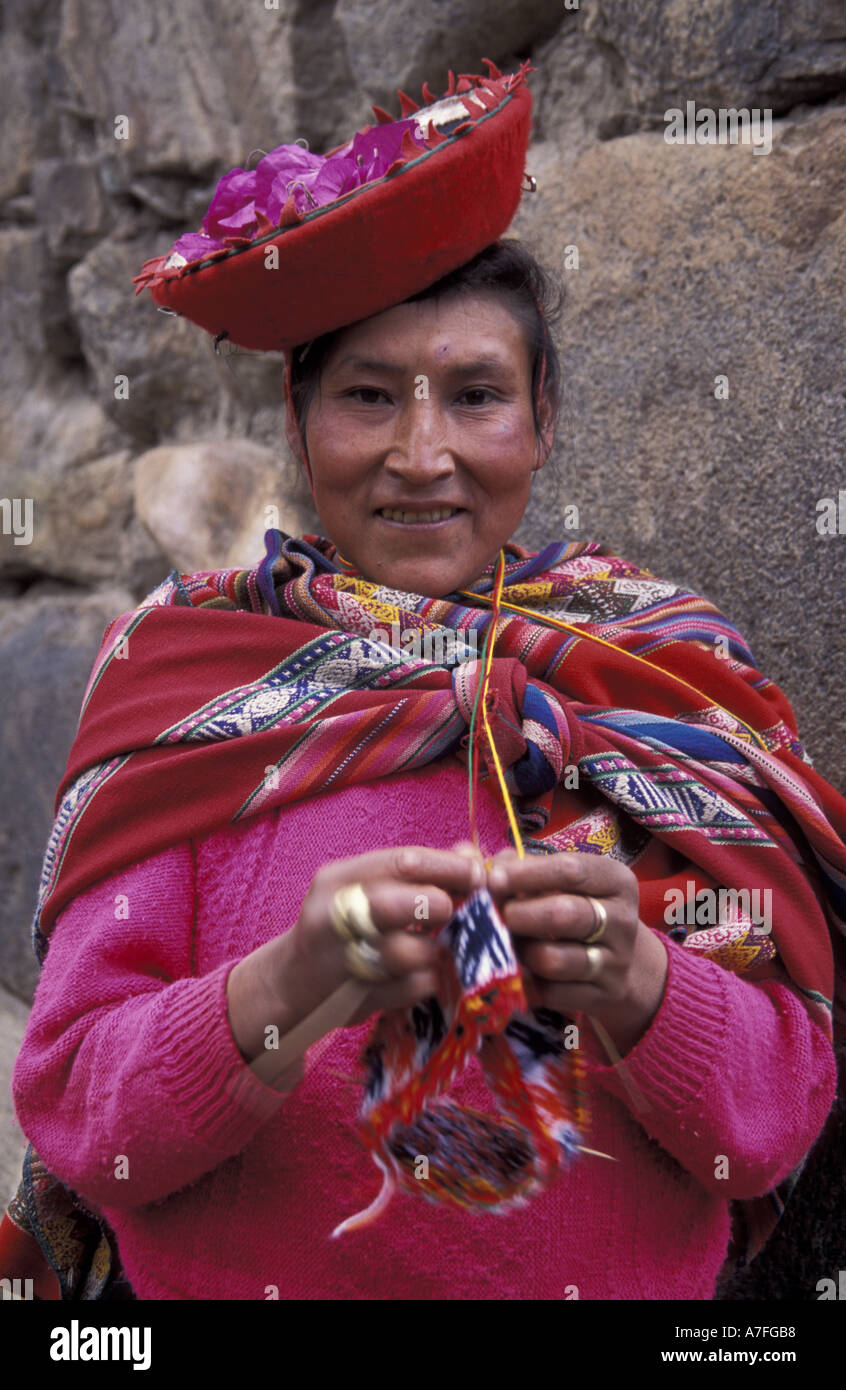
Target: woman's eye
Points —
{"points": [[368, 395], [374, 395], [477, 395]]}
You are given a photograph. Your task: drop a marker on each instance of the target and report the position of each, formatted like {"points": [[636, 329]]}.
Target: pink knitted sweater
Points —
{"points": [[131, 1087]]}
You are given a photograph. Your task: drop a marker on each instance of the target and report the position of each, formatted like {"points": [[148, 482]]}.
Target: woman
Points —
{"points": [[285, 796]]}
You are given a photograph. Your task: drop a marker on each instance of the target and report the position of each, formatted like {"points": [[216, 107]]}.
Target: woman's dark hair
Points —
{"points": [[505, 269]]}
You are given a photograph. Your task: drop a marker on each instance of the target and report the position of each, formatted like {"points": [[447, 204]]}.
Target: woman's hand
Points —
{"points": [[412, 892], [407, 887], [544, 901]]}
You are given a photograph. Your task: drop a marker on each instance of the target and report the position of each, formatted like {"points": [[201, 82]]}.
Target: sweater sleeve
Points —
{"points": [[731, 1078], [129, 1082]]}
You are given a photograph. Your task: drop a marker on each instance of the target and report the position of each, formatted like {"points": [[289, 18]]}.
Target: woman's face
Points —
{"points": [[425, 407]]}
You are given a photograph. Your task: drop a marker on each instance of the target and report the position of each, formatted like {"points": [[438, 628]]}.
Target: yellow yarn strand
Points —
{"points": [[547, 621], [496, 603], [512, 819]]}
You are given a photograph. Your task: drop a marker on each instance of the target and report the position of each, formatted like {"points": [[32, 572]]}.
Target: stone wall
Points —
{"points": [[681, 264]]}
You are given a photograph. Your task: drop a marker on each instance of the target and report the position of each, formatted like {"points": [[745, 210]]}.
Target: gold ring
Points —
{"points": [[600, 921], [594, 956], [365, 962], [350, 913]]}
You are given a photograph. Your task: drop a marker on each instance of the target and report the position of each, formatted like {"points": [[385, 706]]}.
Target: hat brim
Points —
{"points": [[369, 249]]}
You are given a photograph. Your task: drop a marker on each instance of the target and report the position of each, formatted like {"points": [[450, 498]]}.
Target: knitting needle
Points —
{"points": [[334, 1012]]}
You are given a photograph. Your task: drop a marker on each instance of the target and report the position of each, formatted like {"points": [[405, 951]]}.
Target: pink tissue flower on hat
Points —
{"points": [[248, 200], [375, 150], [232, 208], [193, 246], [276, 173]]}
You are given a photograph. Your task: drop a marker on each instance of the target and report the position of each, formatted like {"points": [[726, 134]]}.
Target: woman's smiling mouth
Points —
{"points": [[435, 516]]}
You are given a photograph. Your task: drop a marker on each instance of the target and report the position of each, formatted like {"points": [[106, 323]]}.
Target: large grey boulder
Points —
{"points": [[30, 117], [694, 264], [209, 505], [156, 376], [722, 52], [47, 647], [418, 43], [198, 84], [83, 526], [13, 1017]]}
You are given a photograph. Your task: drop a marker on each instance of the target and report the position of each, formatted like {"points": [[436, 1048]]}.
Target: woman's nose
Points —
{"points": [[420, 449]]}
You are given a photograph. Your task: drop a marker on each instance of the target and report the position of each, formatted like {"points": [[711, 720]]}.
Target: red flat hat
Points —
{"points": [[451, 190]]}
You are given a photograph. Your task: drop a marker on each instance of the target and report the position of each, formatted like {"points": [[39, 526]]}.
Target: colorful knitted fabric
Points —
{"points": [[218, 714], [471, 1159]]}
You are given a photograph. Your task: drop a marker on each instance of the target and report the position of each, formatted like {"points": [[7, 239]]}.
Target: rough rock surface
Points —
{"points": [[85, 530], [47, 645], [13, 1016], [719, 494], [722, 52], [209, 505], [419, 43]]}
